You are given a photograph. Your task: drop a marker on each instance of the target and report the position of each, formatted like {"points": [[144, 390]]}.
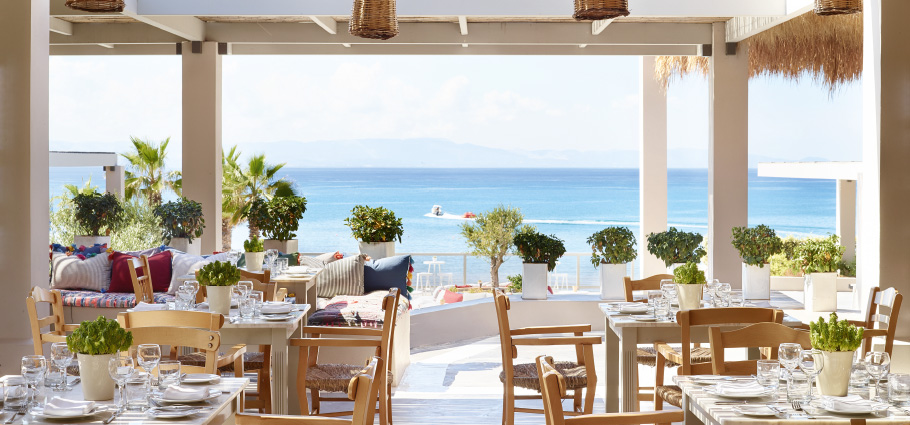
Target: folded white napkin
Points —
{"points": [[634, 308], [276, 308], [179, 393], [850, 403], [748, 388], [143, 306], [62, 407], [297, 270]]}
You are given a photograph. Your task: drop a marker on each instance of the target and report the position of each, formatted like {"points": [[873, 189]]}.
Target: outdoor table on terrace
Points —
{"points": [[303, 286], [434, 268], [222, 409], [624, 334]]}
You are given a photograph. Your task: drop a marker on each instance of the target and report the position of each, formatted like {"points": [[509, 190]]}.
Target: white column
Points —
{"points": [[728, 156], [23, 169], [845, 217], [114, 180], [652, 166], [202, 137]]}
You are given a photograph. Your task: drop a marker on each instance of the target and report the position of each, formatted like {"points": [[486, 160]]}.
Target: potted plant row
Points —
{"points": [[96, 215], [675, 247], [538, 253], [837, 340], [278, 219], [690, 284], [218, 277], [181, 222], [756, 245], [254, 254], [612, 248], [95, 344], [376, 229], [819, 260]]}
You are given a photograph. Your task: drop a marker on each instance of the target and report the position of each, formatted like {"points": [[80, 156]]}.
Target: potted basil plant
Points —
{"points": [[538, 253], [376, 229], [676, 248], [218, 277], [95, 344], [253, 254], [612, 248], [690, 284], [278, 219], [96, 216], [756, 245], [837, 340], [819, 260], [181, 222]]}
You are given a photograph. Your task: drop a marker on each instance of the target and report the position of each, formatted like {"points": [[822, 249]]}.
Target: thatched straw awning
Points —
{"points": [[828, 48]]}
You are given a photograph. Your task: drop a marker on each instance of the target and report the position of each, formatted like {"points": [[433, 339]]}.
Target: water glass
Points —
{"points": [[121, 369], [234, 257], [149, 355], [710, 288], [186, 298], [722, 295], [788, 354], [34, 369], [798, 387], [859, 378], [244, 287], [652, 296], [257, 297], [55, 378], [281, 265], [878, 364], [736, 299], [15, 394], [194, 285], [61, 357], [247, 307], [899, 389], [811, 362], [137, 392], [168, 373], [768, 373], [669, 289], [662, 308]]}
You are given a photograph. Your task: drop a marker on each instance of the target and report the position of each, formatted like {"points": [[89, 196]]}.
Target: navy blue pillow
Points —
{"points": [[387, 273]]}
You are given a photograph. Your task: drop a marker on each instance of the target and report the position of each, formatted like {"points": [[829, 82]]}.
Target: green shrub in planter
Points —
{"points": [[820, 255], [674, 246], [688, 274], [96, 213], [537, 248], [613, 245], [218, 273], [99, 336], [253, 245], [756, 244], [374, 224], [181, 219], [514, 283], [835, 335], [277, 218]]}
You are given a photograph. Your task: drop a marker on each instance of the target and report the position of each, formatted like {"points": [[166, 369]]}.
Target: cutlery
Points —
{"points": [[21, 411], [74, 382], [797, 405], [113, 416]]}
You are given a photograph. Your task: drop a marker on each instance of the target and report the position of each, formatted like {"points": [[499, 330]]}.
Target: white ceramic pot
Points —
{"points": [[612, 286], [90, 241], [183, 244], [835, 376], [756, 282], [97, 384], [219, 299], [254, 260], [534, 281], [377, 250], [820, 292], [689, 296], [284, 247]]}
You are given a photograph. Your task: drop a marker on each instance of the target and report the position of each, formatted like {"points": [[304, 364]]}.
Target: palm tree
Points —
{"points": [[232, 204], [146, 177], [241, 184]]}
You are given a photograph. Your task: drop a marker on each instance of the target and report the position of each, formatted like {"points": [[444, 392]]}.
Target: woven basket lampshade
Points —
{"points": [[96, 5], [838, 7], [595, 10], [374, 19]]}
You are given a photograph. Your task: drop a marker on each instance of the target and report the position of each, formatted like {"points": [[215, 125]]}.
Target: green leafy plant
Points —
{"points": [[277, 218], [181, 219], [514, 283], [789, 245], [140, 228], [491, 234], [674, 246], [756, 244], [781, 266], [613, 245], [99, 336], [95, 212], [218, 273], [537, 248], [374, 224], [253, 245], [847, 268], [820, 255], [688, 274], [835, 335]]}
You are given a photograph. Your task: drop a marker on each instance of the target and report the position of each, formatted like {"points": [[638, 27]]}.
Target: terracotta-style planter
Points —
{"points": [[834, 378], [219, 299], [689, 296], [612, 286], [534, 281], [377, 250], [97, 384], [254, 260]]}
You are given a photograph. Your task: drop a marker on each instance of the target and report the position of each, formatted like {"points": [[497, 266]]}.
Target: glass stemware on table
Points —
{"points": [[61, 357], [710, 294], [768, 373], [33, 371], [270, 256], [722, 295], [149, 355], [121, 368], [811, 362], [877, 365], [788, 355]]}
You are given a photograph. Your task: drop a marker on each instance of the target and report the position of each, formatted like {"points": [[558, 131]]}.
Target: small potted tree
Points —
{"points": [[95, 344], [181, 222], [837, 340], [756, 245], [96, 216], [690, 284], [612, 248], [819, 259], [253, 254], [376, 229], [538, 253], [218, 277], [490, 236], [278, 219], [675, 248]]}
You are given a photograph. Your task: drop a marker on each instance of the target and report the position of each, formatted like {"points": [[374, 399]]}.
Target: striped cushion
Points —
{"points": [[310, 262], [74, 273], [342, 277]]}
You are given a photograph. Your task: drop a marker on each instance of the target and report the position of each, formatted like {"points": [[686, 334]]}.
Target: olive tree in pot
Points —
{"points": [[254, 254], [837, 340], [491, 234], [690, 284], [218, 277], [819, 260], [278, 219], [538, 253], [756, 245], [95, 344], [612, 248], [181, 222], [96, 217], [376, 229], [675, 248]]}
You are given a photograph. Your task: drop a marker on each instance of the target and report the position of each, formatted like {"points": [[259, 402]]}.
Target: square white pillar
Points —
{"points": [[652, 166], [845, 218], [114, 180]]}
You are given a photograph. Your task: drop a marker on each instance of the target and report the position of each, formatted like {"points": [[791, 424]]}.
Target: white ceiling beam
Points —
{"points": [[60, 26], [598, 27], [186, 27], [106, 45], [742, 27], [121, 50], [137, 33], [326, 23], [463, 24]]}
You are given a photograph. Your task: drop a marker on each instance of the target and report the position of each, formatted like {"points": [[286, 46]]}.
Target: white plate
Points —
{"points": [[172, 412], [644, 318], [757, 411], [277, 318], [200, 378], [858, 410], [713, 391], [41, 414], [213, 394], [709, 379], [625, 310]]}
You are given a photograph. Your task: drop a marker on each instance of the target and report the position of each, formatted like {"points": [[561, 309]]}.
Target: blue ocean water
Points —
{"points": [[569, 203]]}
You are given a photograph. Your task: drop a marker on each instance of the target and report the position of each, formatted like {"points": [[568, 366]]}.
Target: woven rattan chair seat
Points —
{"points": [[251, 361], [333, 377], [672, 394], [647, 356], [526, 375]]}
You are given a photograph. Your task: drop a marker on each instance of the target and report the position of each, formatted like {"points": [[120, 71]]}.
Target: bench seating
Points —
{"points": [[80, 305]]}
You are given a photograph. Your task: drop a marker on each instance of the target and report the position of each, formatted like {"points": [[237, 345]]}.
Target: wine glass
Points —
{"points": [[121, 369], [722, 295], [811, 362], [788, 355], [149, 355], [33, 370], [878, 364], [270, 256], [710, 287], [233, 257], [652, 297], [62, 357], [244, 287], [669, 289]]}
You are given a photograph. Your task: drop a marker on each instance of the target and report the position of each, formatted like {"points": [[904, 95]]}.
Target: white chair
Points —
{"points": [[445, 279], [423, 280], [559, 280]]}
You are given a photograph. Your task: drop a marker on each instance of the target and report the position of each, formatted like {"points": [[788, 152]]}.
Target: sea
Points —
{"points": [[568, 203]]}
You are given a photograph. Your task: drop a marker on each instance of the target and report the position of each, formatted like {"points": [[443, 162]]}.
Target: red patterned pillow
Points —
{"points": [[160, 265]]}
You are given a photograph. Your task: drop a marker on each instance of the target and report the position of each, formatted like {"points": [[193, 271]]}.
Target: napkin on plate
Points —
{"points": [[143, 306], [62, 407], [179, 393], [634, 308], [297, 270], [275, 308], [750, 388], [851, 403]]}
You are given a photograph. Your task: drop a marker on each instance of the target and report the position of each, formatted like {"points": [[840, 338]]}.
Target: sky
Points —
{"points": [[586, 103]]}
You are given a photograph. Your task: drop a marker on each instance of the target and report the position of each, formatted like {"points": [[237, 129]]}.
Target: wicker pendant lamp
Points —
{"points": [[838, 7], [374, 19], [595, 10], [96, 5]]}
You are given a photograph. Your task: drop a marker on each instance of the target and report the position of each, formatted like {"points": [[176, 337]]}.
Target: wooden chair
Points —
{"points": [[881, 318], [760, 335], [690, 364], [581, 372], [553, 390], [362, 389], [206, 341], [142, 285], [328, 377], [55, 322], [651, 283]]}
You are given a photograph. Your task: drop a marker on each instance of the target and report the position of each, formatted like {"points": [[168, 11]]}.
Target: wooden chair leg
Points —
{"points": [[314, 396], [384, 413], [508, 404], [576, 400], [661, 366], [265, 379], [389, 403]]}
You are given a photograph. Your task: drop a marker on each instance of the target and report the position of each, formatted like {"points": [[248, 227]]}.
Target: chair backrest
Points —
{"points": [[759, 335], [650, 283], [55, 322], [717, 316], [882, 313], [171, 318], [509, 352], [204, 340], [264, 276], [390, 307], [142, 285], [269, 289]]}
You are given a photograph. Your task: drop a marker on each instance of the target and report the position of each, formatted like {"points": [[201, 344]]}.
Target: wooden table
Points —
{"points": [[624, 334], [225, 407], [701, 408], [303, 287]]}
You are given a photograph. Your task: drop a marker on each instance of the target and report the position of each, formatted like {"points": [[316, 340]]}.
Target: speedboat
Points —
{"points": [[436, 210]]}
